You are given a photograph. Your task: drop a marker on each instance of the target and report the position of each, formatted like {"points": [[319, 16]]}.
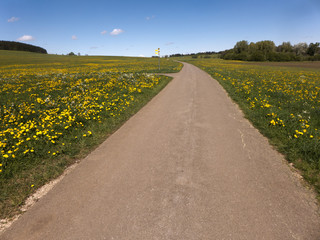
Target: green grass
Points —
{"points": [[86, 100], [282, 102], [20, 59]]}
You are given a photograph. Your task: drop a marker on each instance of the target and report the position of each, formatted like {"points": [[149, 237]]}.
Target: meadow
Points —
{"points": [[56, 109], [282, 101]]}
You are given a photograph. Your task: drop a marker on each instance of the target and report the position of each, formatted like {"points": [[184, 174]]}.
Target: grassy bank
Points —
{"points": [[55, 112], [282, 101]]}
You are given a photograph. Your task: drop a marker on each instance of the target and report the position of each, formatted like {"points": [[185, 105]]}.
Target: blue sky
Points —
{"points": [[136, 28]]}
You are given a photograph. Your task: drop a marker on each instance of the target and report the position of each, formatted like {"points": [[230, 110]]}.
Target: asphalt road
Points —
{"points": [[187, 166]]}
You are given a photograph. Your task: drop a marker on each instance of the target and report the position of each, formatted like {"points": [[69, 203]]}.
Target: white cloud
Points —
{"points": [[103, 32], [141, 55], [74, 37], [13, 19], [149, 18], [25, 38], [116, 31]]}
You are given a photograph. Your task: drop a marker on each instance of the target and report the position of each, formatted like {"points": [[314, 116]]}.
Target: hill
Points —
{"points": [[18, 46]]}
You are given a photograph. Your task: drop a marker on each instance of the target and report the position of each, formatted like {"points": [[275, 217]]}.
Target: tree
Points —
{"points": [[300, 48], [18, 46], [285, 47], [313, 48], [266, 46], [258, 56], [268, 51], [252, 48], [71, 54], [241, 46]]}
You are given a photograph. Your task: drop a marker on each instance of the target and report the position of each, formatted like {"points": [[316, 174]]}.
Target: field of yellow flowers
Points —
{"points": [[50, 111], [282, 102]]}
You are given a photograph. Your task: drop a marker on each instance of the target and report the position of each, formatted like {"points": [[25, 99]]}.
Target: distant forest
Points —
{"points": [[265, 51], [268, 51], [18, 46]]}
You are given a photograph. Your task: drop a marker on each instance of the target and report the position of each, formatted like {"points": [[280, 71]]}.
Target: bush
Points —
{"points": [[229, 56], [257, 56], [282, 57], [244, 56]]}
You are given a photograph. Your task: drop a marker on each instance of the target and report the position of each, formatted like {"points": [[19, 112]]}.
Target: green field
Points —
{"points": [[56, 109], [282, 100]]}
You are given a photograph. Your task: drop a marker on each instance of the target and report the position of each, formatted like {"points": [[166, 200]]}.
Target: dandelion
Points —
{"points": [[33, 117]]}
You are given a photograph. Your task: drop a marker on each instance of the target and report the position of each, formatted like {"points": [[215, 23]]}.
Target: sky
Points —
{"points": [[137, 28]]}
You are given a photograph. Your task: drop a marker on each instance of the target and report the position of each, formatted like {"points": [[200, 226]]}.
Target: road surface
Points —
{"points": [[187, 166]]}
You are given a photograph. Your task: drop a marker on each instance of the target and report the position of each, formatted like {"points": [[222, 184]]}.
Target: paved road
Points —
{"points": [[187, 166]]}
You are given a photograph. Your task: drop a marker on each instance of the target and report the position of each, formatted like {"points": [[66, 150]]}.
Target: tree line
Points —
{"points": [[268, 51], [18, 46], [194, 54]]}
